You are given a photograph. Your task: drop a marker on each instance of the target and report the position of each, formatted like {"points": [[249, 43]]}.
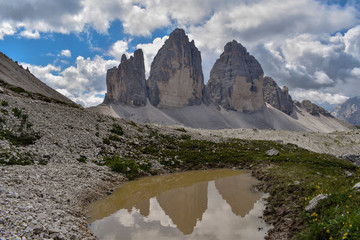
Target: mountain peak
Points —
{"points": [[349, 111], [126, 84], [176, 77], [236, 80]]}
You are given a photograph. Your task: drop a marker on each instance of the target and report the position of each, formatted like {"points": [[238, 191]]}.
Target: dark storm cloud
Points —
{"points": [[38, 9]]}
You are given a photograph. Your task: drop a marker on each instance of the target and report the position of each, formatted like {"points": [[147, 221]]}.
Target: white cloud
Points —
{"points": [[118, 49], [85, 99], [310, 61], [142, 21], [318, 96], [352, 42], [30, 34], [260, 21], [66, 53], [84, 83], [322, 78], [6, 28], [356, 72], [150, 50]]}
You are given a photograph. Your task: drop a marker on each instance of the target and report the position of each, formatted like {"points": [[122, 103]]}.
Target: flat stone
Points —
{"points": [[272, 152], [314, 202]]}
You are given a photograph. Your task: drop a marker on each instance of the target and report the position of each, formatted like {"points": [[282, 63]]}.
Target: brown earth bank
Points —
{"points": [[65, 151]]}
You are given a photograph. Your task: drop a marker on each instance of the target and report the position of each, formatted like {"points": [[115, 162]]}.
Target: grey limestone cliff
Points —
{"points": [[236, 80], [126, 84], [176, 78], [277, 97]]}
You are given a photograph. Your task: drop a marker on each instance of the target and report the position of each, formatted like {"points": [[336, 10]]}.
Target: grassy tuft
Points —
{"points": [[16, 159], [4, 103], [181, 130], [82, 159], [16, 112], [129, 167], [17, 89], [117, 129]]}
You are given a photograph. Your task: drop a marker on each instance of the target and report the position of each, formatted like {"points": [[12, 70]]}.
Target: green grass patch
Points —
{"points": [[16, 112], [337, 217], [4, 112], [114, 137], [117, 129], [132, 123], [106, 141], [82, 159], [23, 139], [4, 103], [129, 167], [17, 89], [16, 159], [181, 130]]}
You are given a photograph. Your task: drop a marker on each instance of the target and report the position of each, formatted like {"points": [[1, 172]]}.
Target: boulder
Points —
{"points": [[277, 97], [357, 186], [314, 202], [176, 78], [126, 84], [272, 152], [236, 80], [353, 158]]}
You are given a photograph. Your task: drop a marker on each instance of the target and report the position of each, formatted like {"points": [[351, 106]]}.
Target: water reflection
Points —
{"points": [[216, 204]]}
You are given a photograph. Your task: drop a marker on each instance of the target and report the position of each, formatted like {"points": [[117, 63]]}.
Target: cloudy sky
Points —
{"points": [[311, 46]]}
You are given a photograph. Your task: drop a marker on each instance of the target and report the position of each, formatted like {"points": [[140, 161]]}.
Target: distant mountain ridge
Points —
{"points": [[237, 94], [349, 111]]}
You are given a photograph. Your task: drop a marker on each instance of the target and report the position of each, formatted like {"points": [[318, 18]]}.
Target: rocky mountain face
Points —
{"points": [[312, 108], [236, 80], [24, 82], [178, 95], [349, 111], [126, 84], [176, 77], [277, 97]]}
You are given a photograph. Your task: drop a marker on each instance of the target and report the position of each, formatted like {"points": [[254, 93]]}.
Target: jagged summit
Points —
{"points": [[126, 84], [236, 80], [277, 97], [312, 108], [176, 78]]}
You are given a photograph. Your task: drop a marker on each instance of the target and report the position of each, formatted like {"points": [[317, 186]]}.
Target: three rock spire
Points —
{"points": [[176, 78]]}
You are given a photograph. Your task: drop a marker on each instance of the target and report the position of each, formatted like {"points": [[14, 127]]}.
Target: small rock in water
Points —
{"points": [[272, 152], [314, 202]]}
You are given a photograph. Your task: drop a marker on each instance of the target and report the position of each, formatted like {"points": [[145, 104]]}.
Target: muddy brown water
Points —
{"points": [[211, 204]]}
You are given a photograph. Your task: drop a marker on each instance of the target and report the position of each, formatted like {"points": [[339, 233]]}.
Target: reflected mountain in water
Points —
{"points": [[185, 206], [192, 205]]}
